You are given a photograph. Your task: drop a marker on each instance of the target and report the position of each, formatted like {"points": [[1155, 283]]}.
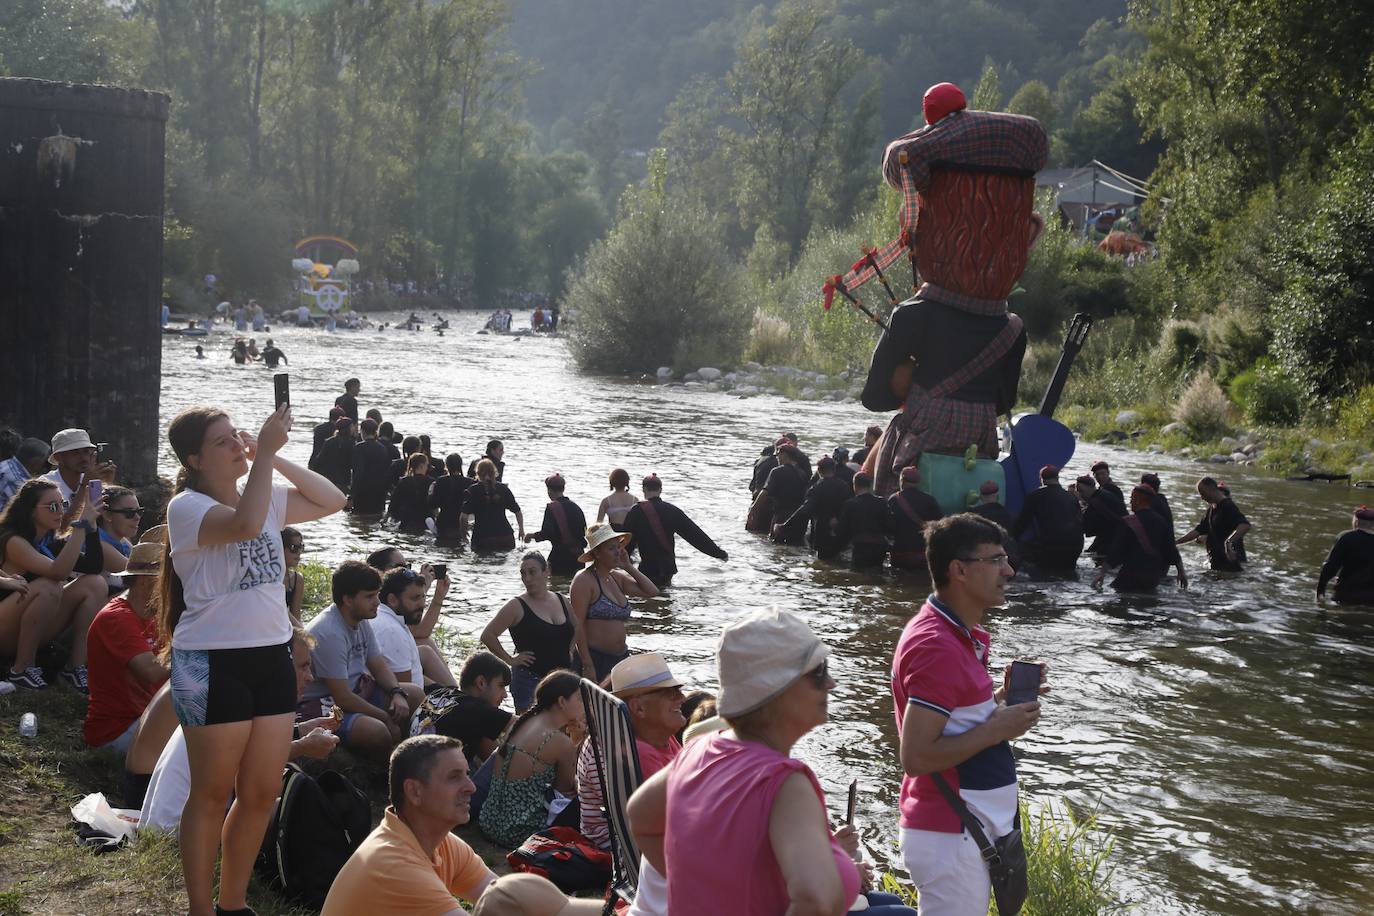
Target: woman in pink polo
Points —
{"points": [[735, 823]]}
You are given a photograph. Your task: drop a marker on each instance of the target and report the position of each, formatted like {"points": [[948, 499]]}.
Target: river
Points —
{"points": [[1223, 734]]}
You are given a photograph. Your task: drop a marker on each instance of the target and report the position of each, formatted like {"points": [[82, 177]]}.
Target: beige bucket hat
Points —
{"points": [[762, 655]]}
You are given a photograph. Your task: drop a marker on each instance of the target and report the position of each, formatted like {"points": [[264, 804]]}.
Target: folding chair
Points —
{"points": [[617, 764]]}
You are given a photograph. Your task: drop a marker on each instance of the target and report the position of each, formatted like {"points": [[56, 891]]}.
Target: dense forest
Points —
{"points": [[483, 146]]}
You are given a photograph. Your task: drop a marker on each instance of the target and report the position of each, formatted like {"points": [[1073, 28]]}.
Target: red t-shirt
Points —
{"points": [[652, 759], [118, 696]]}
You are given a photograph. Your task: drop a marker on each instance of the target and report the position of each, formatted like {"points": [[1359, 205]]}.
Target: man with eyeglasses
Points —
{"points": [[951, 720]]}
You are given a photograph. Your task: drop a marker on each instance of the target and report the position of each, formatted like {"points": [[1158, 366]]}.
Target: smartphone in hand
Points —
{"points": [[94, 488], [1024, 686], [282, 383], [853, 800]]}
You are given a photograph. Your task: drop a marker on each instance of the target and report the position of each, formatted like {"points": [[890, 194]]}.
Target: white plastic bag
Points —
{"points": [[96, 811]]}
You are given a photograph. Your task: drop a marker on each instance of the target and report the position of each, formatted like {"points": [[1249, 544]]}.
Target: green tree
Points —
{"points": [[786, 88], [1034, 99], [988, 94]]}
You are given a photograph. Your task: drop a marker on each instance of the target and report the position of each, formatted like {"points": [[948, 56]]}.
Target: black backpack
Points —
{"points": [[316, 826]]}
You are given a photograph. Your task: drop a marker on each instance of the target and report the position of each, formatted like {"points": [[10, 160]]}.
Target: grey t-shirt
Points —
{"points": [[340, 651]]}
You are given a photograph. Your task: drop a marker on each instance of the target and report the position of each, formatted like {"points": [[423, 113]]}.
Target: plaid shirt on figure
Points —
{"points": [[985, 141]]}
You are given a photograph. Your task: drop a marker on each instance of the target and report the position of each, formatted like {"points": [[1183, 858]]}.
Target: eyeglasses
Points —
{"points": [[819, 675], [57, 506], [999, 559], [127, 513]]}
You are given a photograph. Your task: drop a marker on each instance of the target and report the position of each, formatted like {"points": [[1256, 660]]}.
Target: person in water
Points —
{"points": [[484, 511], [1102, 473], [1351, 562], [786, 488], [563, 528], [271, 355], [371, 472], [1223, 527], [446, 499], [655, 526], [618, 503], [909, 511], [1103, 511], [863, 523], [200, 352], [495, 453], [1051, 518], [1143, 549], [988, 506], [821, 508], [600, 598], [1160, 503], [349, 399]]}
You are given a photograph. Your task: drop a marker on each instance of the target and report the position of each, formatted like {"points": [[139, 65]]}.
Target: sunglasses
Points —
{"points": [[127, 513], [57, 505], [819, 675], [296, 547]]}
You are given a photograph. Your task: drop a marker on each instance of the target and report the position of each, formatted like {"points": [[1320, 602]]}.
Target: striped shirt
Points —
{"points": [[940, 665]]}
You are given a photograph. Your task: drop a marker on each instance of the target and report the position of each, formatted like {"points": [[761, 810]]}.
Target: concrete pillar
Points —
{"points": [[81, 189]]}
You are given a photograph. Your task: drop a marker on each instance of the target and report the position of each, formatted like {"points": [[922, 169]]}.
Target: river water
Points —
{"points": [[1223, 734]]}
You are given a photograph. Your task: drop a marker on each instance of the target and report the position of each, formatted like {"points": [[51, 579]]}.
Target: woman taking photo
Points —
{"points": [[409, 506], [749, 827], [223, 606], [484, 511], [32, 547], [538, 756], [601, 596], [540, 625]]}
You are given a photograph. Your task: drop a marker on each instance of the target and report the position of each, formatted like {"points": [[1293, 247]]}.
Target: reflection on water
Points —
{"points": [[1223, 732]]}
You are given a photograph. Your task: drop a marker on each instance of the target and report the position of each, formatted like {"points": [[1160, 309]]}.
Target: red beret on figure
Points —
{"points": [[942, 99]]}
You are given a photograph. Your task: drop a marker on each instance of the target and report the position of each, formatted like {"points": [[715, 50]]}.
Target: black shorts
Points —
{"points": [[215, 686]]}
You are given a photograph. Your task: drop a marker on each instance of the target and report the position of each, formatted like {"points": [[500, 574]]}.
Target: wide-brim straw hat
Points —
{"points": [[599, 534], [145, 559], [641, 674], [762, 655]]}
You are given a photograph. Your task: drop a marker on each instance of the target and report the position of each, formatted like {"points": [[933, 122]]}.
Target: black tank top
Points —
{"points": [[551, 643]]}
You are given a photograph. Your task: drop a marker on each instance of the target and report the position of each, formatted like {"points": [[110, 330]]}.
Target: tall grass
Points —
{"points": [[1069, 867]]}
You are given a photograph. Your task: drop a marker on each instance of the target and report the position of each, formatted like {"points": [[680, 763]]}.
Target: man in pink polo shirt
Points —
{"points": [[952, 721]]}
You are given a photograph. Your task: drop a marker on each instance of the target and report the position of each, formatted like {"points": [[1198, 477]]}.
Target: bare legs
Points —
{"points": [[82, 599], [246, 758]]}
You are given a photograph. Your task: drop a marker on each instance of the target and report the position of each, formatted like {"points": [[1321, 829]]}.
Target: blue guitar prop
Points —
{"points": [[1037, 439]]}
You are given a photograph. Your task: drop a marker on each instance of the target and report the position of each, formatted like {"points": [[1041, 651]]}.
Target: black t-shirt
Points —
{"points": [[446, 500], [471, 719], [1351, 561], [1217, 525], [349, 404], [787, 487], [1052, 515]]}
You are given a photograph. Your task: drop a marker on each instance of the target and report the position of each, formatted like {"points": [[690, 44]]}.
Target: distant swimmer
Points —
{"points": [[1351, 562], [200, 352], [271, 356]]}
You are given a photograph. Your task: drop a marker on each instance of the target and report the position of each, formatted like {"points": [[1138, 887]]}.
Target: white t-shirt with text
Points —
{"points": [[235, 596]]}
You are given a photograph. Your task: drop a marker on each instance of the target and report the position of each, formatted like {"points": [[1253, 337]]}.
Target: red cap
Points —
{"points": [[1364, 513], [989, 487], [940, 100], [1049, 471], [911, 474]]}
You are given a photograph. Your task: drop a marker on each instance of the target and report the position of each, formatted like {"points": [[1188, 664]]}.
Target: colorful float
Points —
{"points": [[322, 287]]}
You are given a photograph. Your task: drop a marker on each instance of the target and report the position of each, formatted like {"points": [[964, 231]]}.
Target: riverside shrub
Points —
{"points": [[1267, 395], [1203, 407], [660, 290]]}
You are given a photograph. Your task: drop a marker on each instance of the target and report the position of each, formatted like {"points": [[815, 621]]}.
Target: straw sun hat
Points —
{"points": [[599, 534]]}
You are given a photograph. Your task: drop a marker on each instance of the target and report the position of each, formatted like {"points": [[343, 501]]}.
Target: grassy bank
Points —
{"points": [[1069, 868], [42, 867]]}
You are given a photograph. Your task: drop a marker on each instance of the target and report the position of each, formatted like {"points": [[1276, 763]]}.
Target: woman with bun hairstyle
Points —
{"points": [[222, 606]]}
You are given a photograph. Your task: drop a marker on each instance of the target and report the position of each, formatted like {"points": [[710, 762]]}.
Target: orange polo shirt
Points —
{"points": [[390, 874]]}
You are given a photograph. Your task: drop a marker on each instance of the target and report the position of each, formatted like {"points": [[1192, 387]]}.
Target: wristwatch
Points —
{"points": [[395, 690]]}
